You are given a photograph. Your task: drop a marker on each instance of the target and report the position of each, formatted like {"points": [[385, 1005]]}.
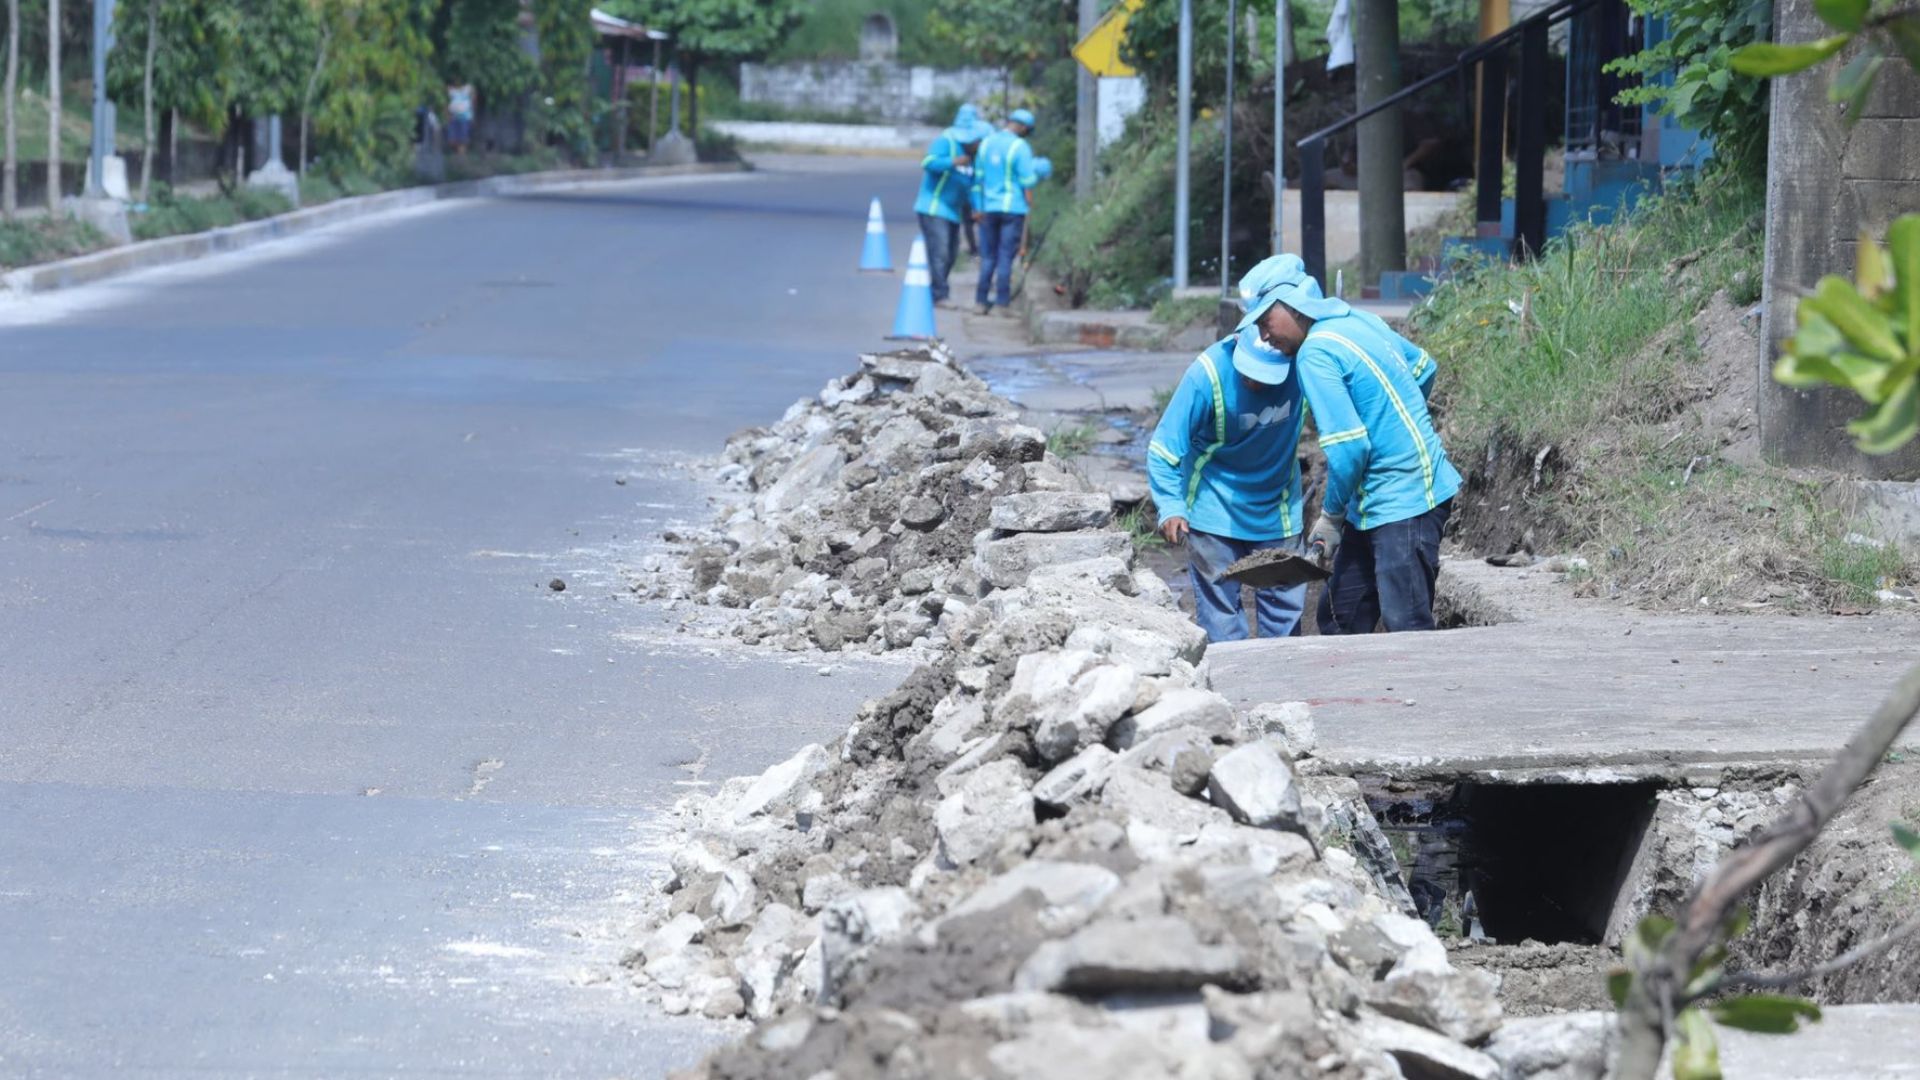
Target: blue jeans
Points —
{"points": [[940, 235], [999, 243], [1216, 603], [1384, 575]]}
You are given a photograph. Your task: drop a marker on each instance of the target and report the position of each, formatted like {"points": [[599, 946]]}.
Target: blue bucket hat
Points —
{"points": [[1022, 116], [1284, 279], [967, 125], [1258, 360]]}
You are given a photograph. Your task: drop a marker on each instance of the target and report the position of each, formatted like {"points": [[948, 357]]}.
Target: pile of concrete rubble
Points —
{"points": [[878, 511], [1053, 851]]}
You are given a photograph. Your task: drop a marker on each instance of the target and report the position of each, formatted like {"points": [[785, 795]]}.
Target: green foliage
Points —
{"points": [[29, 241], [169, 214], [1141, 528], [217, 56], [1692, 76], [1907, 839], [830, 30], [378, 71], [1003, 33], [1070, 442], [566, 44], [1892, 31], [1864, 336], [483, 46], [1864, 569]]}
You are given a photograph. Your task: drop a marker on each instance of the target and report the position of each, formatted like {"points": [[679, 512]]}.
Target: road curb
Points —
{"points": [[170, 250]]}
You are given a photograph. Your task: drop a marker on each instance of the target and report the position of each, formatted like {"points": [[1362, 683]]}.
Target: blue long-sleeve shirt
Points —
{"points": [[1368, 387], [1003, 172], [943, 185], [1225, 454]]}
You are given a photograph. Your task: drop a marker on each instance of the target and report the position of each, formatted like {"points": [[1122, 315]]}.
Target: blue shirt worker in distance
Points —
{"points": [[1390, 486], [946, 182], [1004, 171], [1224, 470]]}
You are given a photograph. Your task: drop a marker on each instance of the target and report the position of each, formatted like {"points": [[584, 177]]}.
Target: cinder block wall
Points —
{"points": [[1826, 183]]}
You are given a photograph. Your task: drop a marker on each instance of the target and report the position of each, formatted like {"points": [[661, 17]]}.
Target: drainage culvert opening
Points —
{"points": [[1515, 862]]}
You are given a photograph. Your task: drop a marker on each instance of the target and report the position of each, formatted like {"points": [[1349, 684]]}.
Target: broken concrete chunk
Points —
{"points": [[802, 480], [1110, 956], [993, 801], [1066, 722], [1459, 1004], [922, 512], [1290, 722], [1075, 780], [1146, 799], [1255, 784], [1005, 563], [1573, 1046], [1073, 891], [1050, 511], [784, 787], [1422, 1053], [1181, 707], [1105, 572]]}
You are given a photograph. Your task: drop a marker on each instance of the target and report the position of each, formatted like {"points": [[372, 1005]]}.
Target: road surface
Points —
{"points": [[304, 770]]}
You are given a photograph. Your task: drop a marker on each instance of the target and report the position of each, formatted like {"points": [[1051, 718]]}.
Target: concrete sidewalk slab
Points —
{"points": [[1094, 381], [1851, 1042], [1608, 694]]}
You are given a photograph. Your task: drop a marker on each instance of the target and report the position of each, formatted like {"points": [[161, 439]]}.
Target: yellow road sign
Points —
{"points": [[1099, 51]]}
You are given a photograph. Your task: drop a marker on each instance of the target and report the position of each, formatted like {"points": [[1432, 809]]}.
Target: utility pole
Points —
{"points": [[102, 143], [1376, 54], [1226, 167], [1280, 59], [53, 108], [1184, 145], [1086, 129]]}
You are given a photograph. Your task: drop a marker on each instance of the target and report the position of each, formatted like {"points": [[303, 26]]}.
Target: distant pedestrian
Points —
{"points": [[1005, 170], [945, 179], [459, 116], [1390, 486]]}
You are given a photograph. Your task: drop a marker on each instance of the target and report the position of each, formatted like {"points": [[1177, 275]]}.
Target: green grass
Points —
{"points": [[320, 188], [76, 123], [169, 214], [1162, 398], [1547, 347], [1141, 527], [1185, 311], [37, 240], [1862, 569], [1070, 442]]}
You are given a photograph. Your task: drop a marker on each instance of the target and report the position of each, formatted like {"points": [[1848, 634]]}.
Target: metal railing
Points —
{"points": [[1490, 59]]}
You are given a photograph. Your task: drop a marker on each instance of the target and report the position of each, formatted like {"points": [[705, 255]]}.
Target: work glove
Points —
{"points": [[1323, 542]]}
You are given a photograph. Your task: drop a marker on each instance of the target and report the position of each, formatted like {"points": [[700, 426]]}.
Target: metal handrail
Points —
{"points": [[1558, 13]]}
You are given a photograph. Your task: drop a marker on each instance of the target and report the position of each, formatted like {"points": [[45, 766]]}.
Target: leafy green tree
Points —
{"points": [[715, 31], [1006, 34], [484, 47], [379, 70], [1690, 75], [566, 47]]}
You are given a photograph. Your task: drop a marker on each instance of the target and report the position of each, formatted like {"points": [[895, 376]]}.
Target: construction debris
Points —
{"points": [[1052, 851]]}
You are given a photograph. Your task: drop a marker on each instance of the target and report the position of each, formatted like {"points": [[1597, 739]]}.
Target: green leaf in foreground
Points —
{"points": [[1908, 839], [1848, 15], [1766, 59], [1855, 81], [1696, 1050], [1768, 1014]]}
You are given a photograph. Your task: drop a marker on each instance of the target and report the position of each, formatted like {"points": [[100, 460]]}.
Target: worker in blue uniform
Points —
{"points": [[1224, 470], [1390, 486], [1005, 170], [946, 182]]}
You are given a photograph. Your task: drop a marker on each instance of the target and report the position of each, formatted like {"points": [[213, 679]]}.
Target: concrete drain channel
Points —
{"points": [[1536, 881]]}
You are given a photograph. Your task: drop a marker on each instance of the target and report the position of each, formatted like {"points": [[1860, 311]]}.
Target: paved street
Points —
{"points": [[303, 768]]}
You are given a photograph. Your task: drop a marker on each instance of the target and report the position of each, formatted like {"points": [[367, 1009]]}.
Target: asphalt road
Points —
{"points": [[303, 768]]}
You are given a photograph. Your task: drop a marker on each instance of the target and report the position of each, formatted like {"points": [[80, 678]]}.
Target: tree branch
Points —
{"points": [[1659, 991], [1785, 979]]}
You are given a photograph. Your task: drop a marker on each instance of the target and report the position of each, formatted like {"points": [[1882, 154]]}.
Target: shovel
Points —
{"points": [[1276, 567]]}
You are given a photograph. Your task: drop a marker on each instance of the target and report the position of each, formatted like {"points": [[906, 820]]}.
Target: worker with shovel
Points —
{"points": [[1005, 170], [1389, 483], [1224, 471]]}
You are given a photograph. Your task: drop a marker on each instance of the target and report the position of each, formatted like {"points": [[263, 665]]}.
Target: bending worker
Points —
{"points": [[1003, 174], [1224, 470], [946, 180], [1390, 486]]}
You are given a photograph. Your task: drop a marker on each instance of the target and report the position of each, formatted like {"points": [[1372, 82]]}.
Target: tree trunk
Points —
{"points": [[167, 142], [146, 96], [53, 107], [693, 97], [1376, 54], [9, 180], [313, 84]]}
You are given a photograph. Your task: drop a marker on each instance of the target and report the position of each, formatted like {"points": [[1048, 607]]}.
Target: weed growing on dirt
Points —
{"points": [[171, 214], [1162, 398], [1142, 527], [1862, 569], [1071, 442]]}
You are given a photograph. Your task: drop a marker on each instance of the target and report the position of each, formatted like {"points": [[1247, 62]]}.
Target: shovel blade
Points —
{"points": [[1275, 567]]}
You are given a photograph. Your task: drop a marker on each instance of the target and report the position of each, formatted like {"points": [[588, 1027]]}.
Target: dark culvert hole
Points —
{"points": [[1513, 862]]}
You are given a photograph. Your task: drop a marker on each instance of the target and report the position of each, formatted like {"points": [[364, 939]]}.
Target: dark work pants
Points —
{"points": [[1384, 575], [940, 235], [999, 243]]}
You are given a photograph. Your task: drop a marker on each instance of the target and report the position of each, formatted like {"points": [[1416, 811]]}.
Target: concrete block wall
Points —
{"points": [[887, 92], [1826, 184]]}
